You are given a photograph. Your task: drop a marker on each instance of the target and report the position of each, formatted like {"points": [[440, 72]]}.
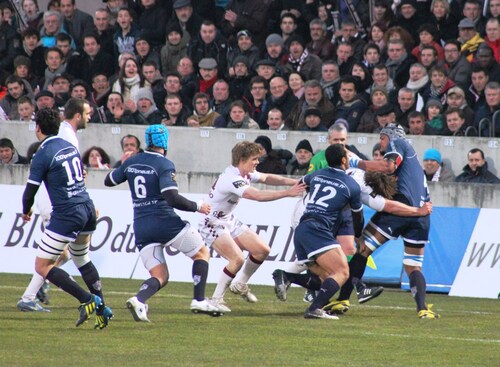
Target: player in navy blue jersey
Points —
{"points": [[400, 159], [331, 189], [151, 178], [57, 163]]}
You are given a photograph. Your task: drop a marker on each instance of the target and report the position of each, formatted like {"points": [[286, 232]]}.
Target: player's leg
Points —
{"points": [[29, 301], [258, 251], [412, 262], [153, 258], [229, 250], [331, 266], [190, 243]]}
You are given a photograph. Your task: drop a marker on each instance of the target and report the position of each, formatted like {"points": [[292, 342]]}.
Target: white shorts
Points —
{"points": [[210, 229], [188, 241]]}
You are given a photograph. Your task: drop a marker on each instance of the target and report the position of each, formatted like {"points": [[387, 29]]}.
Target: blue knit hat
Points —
{"points": [[433, 155], [156, 136]]}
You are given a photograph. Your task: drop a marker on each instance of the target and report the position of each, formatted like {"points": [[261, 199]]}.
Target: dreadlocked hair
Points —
{"points": [[381, 184]]}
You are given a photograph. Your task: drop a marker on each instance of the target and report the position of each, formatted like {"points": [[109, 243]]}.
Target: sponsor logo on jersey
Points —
{"points": [[172, 176], [238, 184]]}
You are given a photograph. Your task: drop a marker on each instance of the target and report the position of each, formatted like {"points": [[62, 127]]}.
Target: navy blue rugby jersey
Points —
{"points": [[148, 175], [412, 183], [58, 164], [330, 190]]}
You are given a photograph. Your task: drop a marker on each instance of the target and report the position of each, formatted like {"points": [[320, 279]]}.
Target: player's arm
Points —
{"points": [[388, 165], [270, 195], [397, 208], [115, 177], [358, 222], [177, 201], [276, 180], [28, 200]]}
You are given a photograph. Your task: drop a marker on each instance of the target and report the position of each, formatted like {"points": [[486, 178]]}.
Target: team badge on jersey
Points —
{"points": [[172, 176]]}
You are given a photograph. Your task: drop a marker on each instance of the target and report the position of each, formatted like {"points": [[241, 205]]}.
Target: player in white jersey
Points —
{"points": [[226, 234]]}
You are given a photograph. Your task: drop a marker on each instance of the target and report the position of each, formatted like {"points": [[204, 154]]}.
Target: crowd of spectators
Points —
{"points": [[431, 66]]}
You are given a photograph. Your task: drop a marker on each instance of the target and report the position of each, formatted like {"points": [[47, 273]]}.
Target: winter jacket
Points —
{"points": [[481, 175]]}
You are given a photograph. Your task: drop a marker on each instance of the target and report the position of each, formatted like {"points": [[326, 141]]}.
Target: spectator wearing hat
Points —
{"points": [[238, 83], [433, 110], [385, 115], [144, 110], [76, 22], [300, 60], [22, 69], [428, 34], [368, 123], [31, 48], [469, 38], [186, 18], [434, 168], [203, 115], [409, 18], [266, 68], [271, 160], [126, 31], [320, 45], [145, 52], [455, 98], [313, 97], [299, 164], [350, 106], [459, 69], [245, 14], [175, 48], [312, 120], [245, 48], [92, 60], [152, 22], [44, 99], [476, 171], [275, 51], [209, 43], [9, 154], [208, 75]]}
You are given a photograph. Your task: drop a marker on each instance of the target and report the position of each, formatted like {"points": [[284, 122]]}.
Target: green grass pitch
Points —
{"points": [[383, 332]]}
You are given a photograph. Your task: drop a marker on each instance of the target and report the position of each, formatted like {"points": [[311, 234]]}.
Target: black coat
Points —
{"points": [[481, 175]]}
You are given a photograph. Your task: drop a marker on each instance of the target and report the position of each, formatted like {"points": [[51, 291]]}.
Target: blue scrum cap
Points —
{"points": [[157, 136]]}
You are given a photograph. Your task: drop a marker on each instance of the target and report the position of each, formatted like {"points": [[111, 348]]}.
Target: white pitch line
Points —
{"points": [[488, 341]]}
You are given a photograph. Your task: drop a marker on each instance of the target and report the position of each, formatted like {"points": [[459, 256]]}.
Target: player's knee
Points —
{"points": [[411, 261], [203, 254], [237, 262], [79, 254]]}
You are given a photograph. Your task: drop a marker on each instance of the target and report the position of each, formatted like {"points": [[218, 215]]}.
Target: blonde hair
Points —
{"points": [[244, 150]]}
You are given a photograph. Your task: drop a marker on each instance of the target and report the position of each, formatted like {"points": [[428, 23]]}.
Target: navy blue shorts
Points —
{"points": [[71, 222], [413, 230], [157, 229], [312, 238], [346, 227]]}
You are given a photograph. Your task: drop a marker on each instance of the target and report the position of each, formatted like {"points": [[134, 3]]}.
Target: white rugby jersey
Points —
{"points": [[227, 191], [67, 133], [376, 202]]}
